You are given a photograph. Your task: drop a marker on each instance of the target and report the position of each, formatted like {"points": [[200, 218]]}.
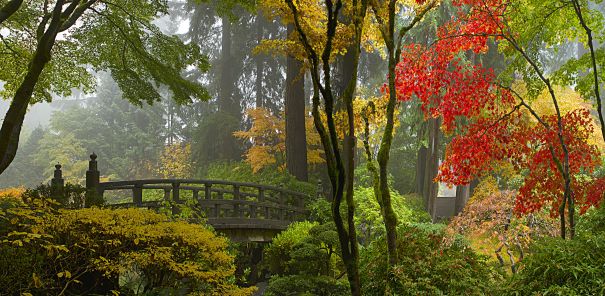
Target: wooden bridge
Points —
{"points": [[242, 211]]}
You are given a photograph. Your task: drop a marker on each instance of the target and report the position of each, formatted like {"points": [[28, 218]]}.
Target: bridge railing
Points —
{"points": [[218, 199], [226, 204]]}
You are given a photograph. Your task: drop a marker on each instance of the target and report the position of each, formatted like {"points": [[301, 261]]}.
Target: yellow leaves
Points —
{"points": [[267, 135], [65, 274], [12, 192], [175, 161], [568, 100], [313, 20], [37, 281]]}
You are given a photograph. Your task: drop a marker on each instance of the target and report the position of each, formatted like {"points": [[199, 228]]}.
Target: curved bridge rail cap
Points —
{"points": [[110, 184]]}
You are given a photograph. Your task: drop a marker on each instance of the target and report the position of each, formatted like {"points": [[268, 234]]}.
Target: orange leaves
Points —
{"points": [[267, 136]]}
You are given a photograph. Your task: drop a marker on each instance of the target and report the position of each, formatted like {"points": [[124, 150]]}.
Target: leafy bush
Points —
{"points": [[565, 267], [12, 192], [278, 253], [242, 172], [368, 217], [562, 267], [304, 285], [304, 260], [430, 263], [73, 197], [93, 250], [592, 222]]}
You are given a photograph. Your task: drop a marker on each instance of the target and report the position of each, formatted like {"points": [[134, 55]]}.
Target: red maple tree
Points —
{"points": [[490, 122]]}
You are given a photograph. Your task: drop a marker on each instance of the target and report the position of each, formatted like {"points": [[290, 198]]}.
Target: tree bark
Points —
{"points": [[462, 196], [13, 121], [431, 188], [389, 216], [328, 133], [9, 9], [420, 170], [259, 60], [296, 139], [227, 101]]}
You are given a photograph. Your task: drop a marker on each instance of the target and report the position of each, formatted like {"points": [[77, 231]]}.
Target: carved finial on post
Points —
{"points": [[92, 183], [57, 183]]}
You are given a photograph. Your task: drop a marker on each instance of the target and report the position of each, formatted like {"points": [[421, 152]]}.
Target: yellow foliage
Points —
{"points": [[313, 20], [116, 243], [268, 139], [12, 192], [175, 161], [487, 187], [568, 100]]}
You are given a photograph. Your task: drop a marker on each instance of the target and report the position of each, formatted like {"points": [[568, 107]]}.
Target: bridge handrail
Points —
{"points": [[226, 203], [109, 185]]}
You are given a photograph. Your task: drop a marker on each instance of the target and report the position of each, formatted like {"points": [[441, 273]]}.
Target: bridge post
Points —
{"points": [[92, 183], [237, 212], [57, 184], [137, 194], [207, 191], [176, 199], [282, 201]]}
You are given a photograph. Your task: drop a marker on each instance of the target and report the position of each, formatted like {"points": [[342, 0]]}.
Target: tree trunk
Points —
{"points": [[431, 188], [13, 121], [347, 72], [9, 9], [259, 60], [227, 102], [420, 170], [296, 140], [462, 196], [390, 219]]}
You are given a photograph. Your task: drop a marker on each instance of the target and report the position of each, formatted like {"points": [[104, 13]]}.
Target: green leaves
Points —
{"points": [[117, 36]]}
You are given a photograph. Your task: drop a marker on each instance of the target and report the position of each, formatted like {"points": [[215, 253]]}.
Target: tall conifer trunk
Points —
{"points": [[296, 141]]}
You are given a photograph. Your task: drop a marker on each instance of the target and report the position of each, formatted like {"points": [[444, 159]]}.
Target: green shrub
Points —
{"points": [[242, 172], [96, 251], [306, 256], [279, 253], [430, 263], [562, 267], [368, 217], [304, 285], [592, 222], [73, 197]]}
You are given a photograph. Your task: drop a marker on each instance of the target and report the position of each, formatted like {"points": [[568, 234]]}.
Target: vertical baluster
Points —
{"points": [[176, 199], [137, 194], [207, 190], [282, 202], [237, 212], [217, 209], [252, 208]]}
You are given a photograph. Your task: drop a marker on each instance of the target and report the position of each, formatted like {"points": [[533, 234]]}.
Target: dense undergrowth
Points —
{"points": [[56, 246]]}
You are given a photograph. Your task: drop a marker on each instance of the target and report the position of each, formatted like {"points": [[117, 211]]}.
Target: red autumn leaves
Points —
{"points": [[488, 123]]}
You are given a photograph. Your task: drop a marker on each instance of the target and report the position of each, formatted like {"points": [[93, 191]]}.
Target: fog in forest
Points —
{"points": [[298, 147]]}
